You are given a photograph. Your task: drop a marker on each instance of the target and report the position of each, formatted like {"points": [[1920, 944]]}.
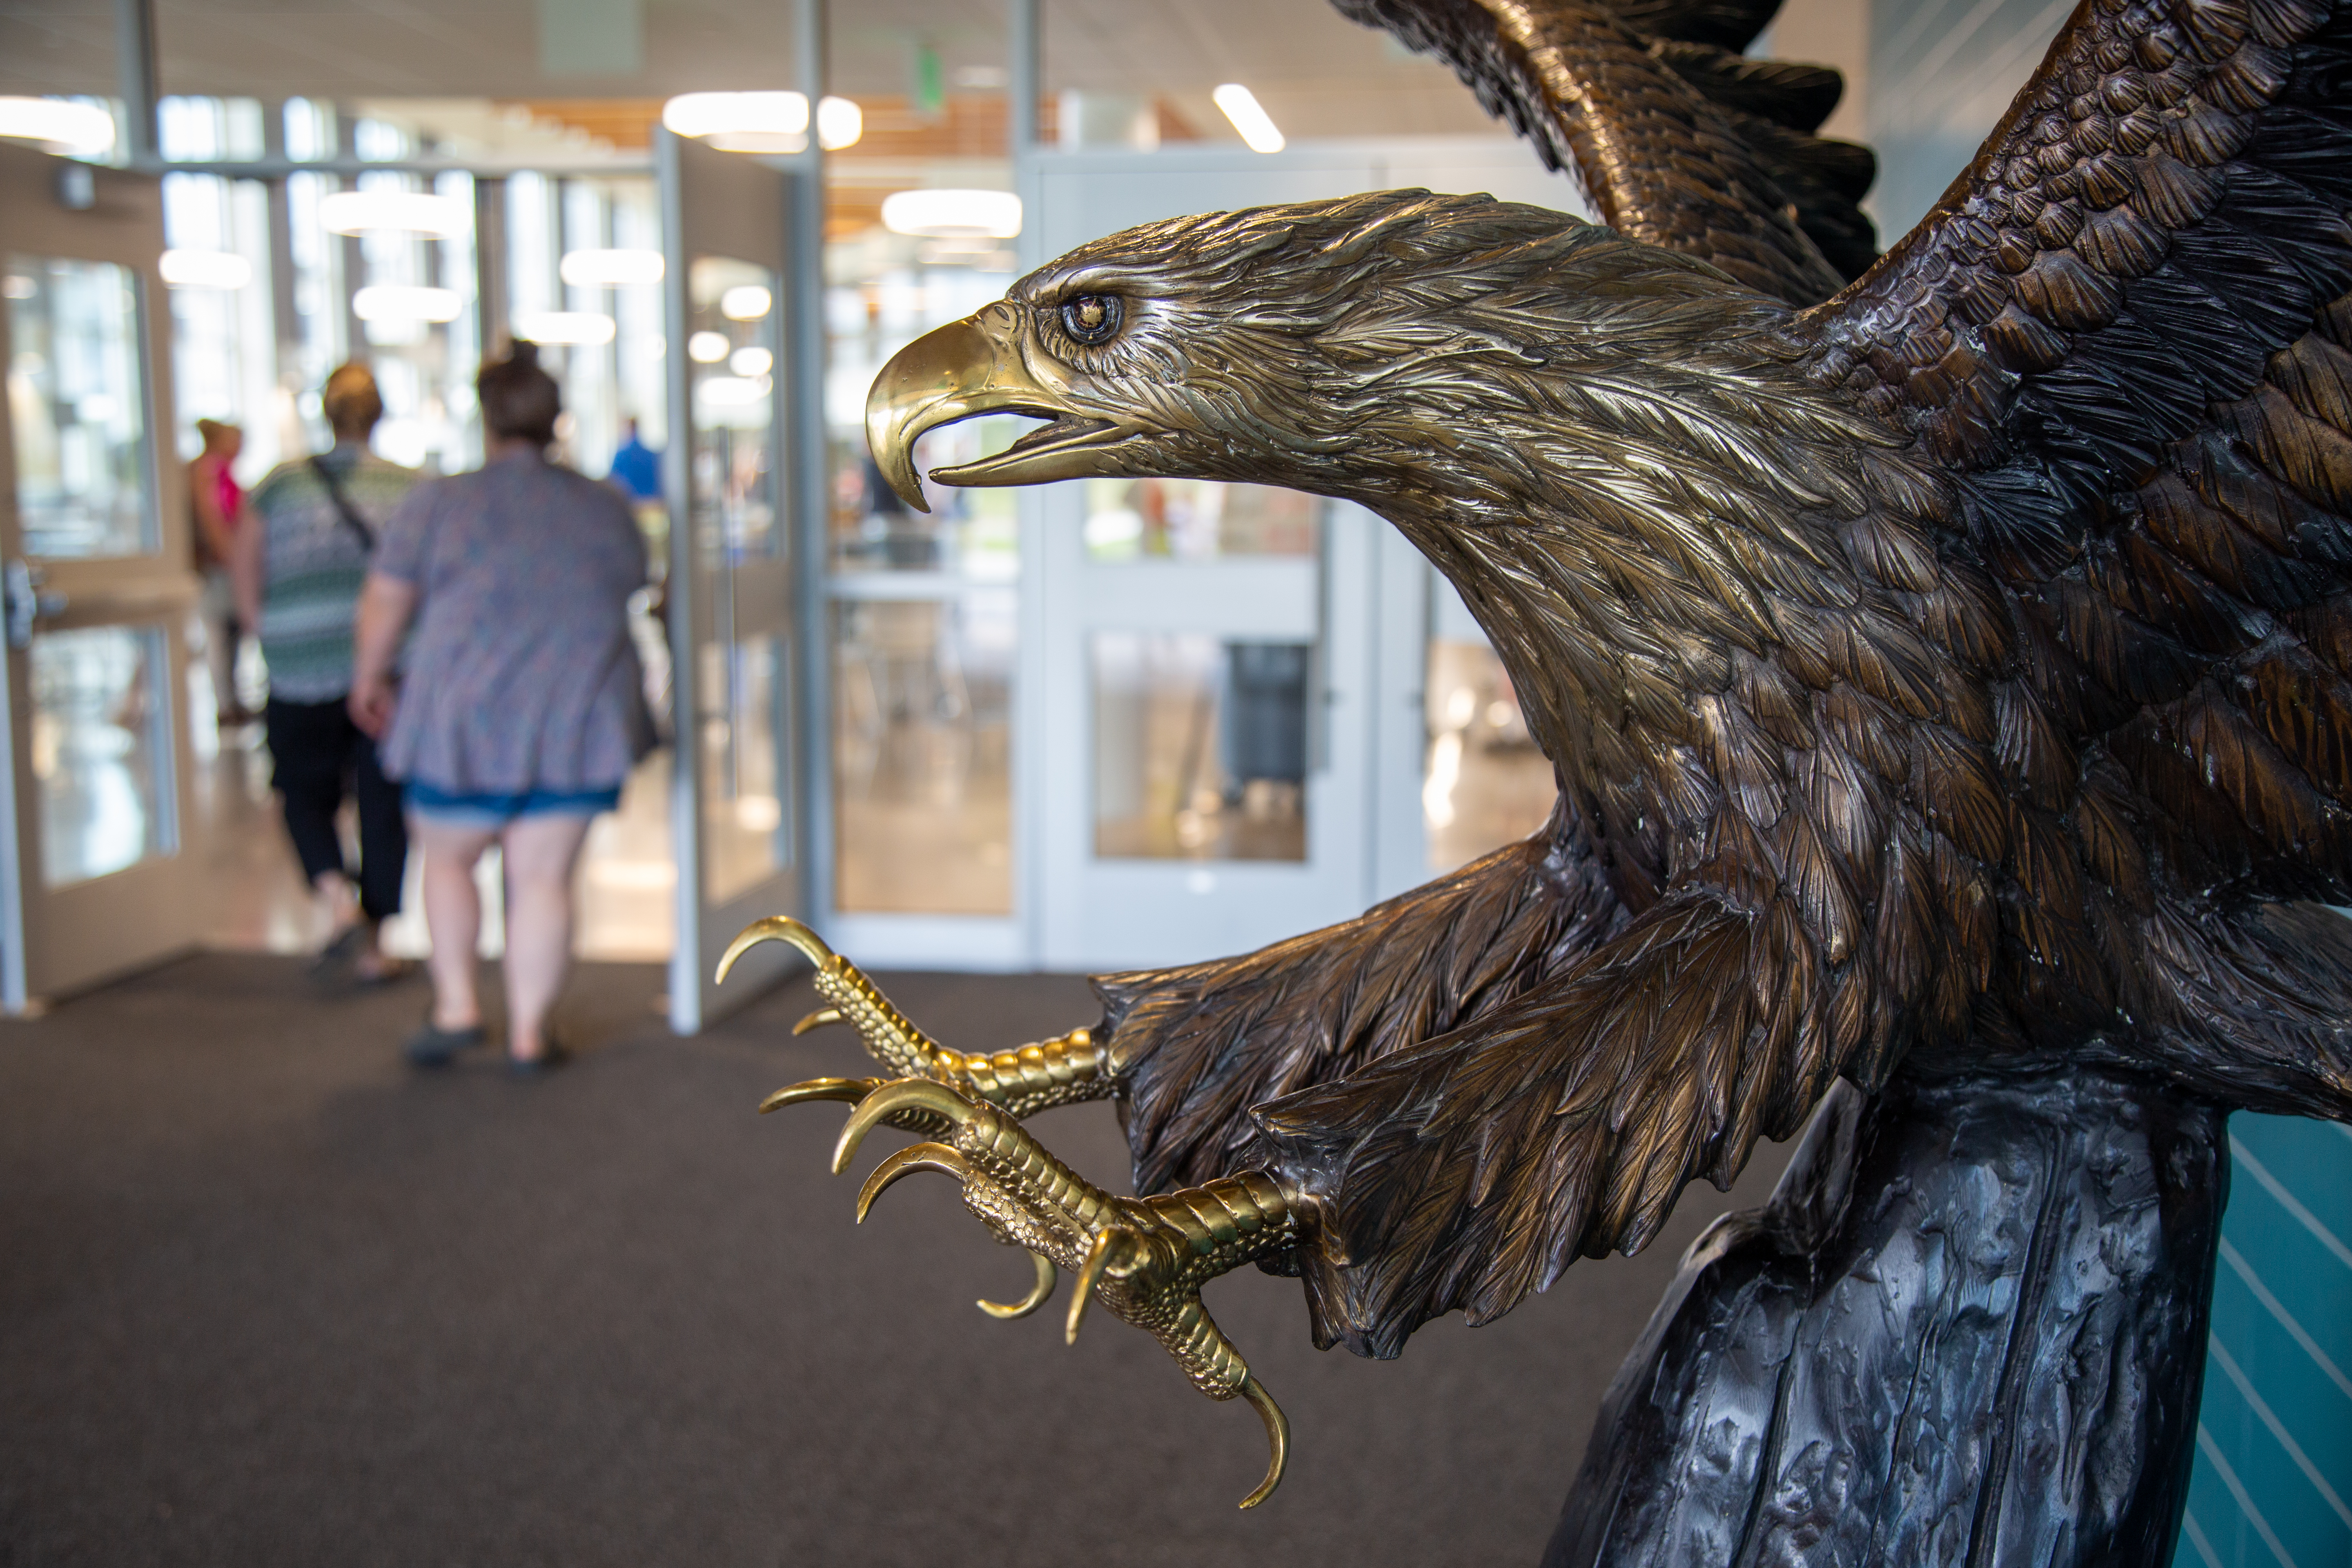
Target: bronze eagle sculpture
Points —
{"points": [[1946, 659]]}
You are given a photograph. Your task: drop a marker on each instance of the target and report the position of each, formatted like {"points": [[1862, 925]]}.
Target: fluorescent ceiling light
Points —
{"points": [[706, 348], [763, 121], [406, 303], [205, 270], [746, 302], [750, 362], [564, 329], [59, 122], [418, 212], [611, 269], [1256, 126], [938, 214]]}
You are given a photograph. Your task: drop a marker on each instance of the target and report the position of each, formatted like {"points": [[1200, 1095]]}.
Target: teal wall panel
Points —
{"points": [[2273, 1487]]}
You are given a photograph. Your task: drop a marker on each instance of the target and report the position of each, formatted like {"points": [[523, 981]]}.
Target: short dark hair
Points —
{"points": [[350, 400], [519, 401]]}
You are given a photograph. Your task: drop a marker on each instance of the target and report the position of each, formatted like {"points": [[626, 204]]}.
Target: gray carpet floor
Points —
{"points": [[267, 1297]]}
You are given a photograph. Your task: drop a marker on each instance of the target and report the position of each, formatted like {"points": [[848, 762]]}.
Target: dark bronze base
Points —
{"points": [[1969, 1328]]}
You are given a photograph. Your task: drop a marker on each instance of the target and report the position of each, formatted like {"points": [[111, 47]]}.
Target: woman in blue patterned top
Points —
{"points": [[295, 562], [520, 709]]}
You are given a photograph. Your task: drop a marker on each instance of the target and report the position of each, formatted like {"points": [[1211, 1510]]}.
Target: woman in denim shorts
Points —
{"points": [[517, 709]]}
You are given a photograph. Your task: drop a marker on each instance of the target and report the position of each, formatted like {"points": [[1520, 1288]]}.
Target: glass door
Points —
{"points": [[729, 589], [95, 873]]}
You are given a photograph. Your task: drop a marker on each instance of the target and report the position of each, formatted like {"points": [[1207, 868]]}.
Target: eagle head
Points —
{"points": [[1367, 347]]}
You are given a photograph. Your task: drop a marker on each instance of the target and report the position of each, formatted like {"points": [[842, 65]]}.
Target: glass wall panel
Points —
{"points": [[922, 728], [76, 407], [1197, 519], [1486, 786], [101, 739], [1199, 747], [732, 313], [744, 791]]}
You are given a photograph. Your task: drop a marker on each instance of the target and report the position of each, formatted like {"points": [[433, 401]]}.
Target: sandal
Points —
{"points": [[551, 1057], [432, 1047]]}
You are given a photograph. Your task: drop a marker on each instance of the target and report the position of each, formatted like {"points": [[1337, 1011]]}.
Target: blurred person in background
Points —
{"points": [[519, 712], [298, 559], [215, 501], [636, 468]]}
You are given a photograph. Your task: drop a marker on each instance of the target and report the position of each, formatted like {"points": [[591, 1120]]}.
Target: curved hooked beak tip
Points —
{"points": [[960, 371]]}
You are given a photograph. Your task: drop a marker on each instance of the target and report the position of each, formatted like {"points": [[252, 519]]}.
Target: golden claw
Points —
{"points": [[849, 1090], [1277, 1437], [913, 1157], [905, 1094], [1039, 1293], [1113, 1252], [774, 928], [818, 1020]]}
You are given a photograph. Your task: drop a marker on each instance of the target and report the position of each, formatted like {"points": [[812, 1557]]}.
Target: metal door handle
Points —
{"points": [[27, 601]]}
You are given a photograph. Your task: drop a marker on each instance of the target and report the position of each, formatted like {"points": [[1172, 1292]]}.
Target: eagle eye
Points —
{"points": [[1092, 318]]}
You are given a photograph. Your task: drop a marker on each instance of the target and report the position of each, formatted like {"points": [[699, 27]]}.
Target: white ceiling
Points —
{"points": [[1317, 73]]}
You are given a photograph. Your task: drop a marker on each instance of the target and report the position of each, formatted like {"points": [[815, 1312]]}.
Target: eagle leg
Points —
{"points": [[1145, 1259], [1060, 1071]]}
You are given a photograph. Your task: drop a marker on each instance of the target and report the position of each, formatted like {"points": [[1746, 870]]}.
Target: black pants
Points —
{"points": [[318, 754]]}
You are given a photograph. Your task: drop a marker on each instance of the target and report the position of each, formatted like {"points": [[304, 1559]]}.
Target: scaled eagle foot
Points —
{"points": [[1060, 1071], [1146, 1257]]}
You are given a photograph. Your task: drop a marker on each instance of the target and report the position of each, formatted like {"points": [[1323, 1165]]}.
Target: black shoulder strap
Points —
{"points": [[349, 513]]}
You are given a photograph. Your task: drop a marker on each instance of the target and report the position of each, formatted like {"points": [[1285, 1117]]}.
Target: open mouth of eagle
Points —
{"points": [[1061, 433]]}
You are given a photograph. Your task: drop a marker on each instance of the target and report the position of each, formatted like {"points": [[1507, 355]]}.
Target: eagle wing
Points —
{"points": [[2127, 327], [1194, 1048], [1678, 138]]}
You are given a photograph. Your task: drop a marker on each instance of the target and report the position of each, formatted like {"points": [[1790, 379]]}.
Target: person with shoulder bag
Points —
{"points": [[299, 563]]}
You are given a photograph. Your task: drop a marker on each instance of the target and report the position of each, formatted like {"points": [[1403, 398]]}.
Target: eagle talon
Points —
{"points": [[1039, 1293], [914, 1157], [849, 1090]]}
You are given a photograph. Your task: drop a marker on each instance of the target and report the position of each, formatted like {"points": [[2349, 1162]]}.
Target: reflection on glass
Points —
{"points": [[1196, 519], [743, 781], [731, 309], [974, 533], [76, 407], [100, 739], [1486, 785], [922, 731], [1199, 747]]}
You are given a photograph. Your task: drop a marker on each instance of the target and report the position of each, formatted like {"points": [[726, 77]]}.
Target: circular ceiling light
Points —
{"points": [[406, 303], [611, 269], [564, 329], [941, 214], [57, 122], [746, 302], [763, 121], [205, 270], [414, 212]]}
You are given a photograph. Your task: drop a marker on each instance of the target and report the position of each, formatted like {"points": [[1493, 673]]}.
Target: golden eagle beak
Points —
{"points": [[966, 369]]}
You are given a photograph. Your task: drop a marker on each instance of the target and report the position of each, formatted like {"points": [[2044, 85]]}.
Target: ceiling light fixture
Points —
{"points": [[406, 303], [57, 122], [205, 270], [564, 329], [939, 214], [751, 362], [746, 302], [706, 348], [1249, 117], [413, 212], [611, 269], [763, 121]]}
